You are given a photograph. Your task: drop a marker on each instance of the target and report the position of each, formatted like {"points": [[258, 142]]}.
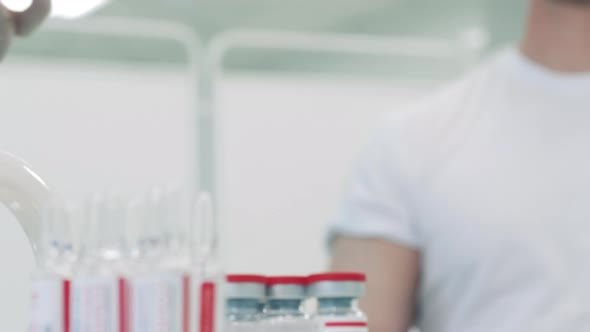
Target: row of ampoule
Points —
{"points": [[281, 304], [118, 265]]}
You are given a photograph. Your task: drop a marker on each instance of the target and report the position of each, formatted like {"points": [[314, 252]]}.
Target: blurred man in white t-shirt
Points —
{"points": [[470, 212]]}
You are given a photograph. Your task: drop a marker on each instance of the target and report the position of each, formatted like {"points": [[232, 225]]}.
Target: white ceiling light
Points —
{"points": [[69, 9], [17, 5]]}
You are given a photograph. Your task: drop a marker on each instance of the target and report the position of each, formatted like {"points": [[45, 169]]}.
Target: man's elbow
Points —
{"points": [[392, 279]]}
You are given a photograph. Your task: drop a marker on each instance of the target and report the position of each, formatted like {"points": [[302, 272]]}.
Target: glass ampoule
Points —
{"points": [[50, 285], [99, 284], [157, 281], [208, 278]]}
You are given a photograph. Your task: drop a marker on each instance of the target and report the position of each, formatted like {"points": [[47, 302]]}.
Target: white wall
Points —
{"points": [[285, 148], [87, 128]]}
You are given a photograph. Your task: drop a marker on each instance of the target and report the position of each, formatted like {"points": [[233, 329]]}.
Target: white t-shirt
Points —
{"points": [[489, 179]]}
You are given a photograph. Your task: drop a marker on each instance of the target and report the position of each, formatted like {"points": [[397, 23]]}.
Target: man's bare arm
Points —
{"points": [[393, 274]]}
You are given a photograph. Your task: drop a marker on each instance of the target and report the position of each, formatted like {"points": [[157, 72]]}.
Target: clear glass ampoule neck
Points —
{"points": [[49, 241], [284, 307], [47, 263], [338, 307], [104, 248], [242, 310]]}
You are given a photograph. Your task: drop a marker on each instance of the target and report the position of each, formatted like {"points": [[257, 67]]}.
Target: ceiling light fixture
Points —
{"points": [[16, 5], [67, 9]]}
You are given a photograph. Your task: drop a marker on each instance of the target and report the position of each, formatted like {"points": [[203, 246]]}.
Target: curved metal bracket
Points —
{"points": [[24, 193]]}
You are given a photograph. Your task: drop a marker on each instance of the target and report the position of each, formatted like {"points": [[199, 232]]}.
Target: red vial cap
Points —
{"points": [[246, 278], [337, 276], [286, 280]]}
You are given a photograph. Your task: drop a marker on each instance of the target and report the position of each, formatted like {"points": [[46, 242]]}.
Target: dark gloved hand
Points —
{"points": [[21, 23]]}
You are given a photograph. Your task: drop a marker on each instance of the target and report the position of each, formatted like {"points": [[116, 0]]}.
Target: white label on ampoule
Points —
{"points": [[48, 305], [158, 303], [96, 304]]}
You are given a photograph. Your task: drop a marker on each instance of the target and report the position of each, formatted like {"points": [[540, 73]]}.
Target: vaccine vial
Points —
{"points": [[261, 307], [337, 295], [285, 296], [243, 294], [284, 308]]}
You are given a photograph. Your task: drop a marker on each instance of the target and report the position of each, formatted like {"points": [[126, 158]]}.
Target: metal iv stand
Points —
{"points": [[156, 30]]}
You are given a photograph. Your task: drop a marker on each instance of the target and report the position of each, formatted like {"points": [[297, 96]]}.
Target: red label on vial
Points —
{"points": [[123, 306], [207, 307], [66, 305], [346, 324], [186, 303]]}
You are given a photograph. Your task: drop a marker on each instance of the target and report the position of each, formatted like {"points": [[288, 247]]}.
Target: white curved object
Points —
{"points": [[23, 192]]}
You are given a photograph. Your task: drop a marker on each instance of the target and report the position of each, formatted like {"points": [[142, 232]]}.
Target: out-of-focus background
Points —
{"points": [[265, 103]]}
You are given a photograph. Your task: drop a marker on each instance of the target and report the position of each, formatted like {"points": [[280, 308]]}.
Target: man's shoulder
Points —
{"points": [[422, 130], [441, 105], [456, 98]]}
